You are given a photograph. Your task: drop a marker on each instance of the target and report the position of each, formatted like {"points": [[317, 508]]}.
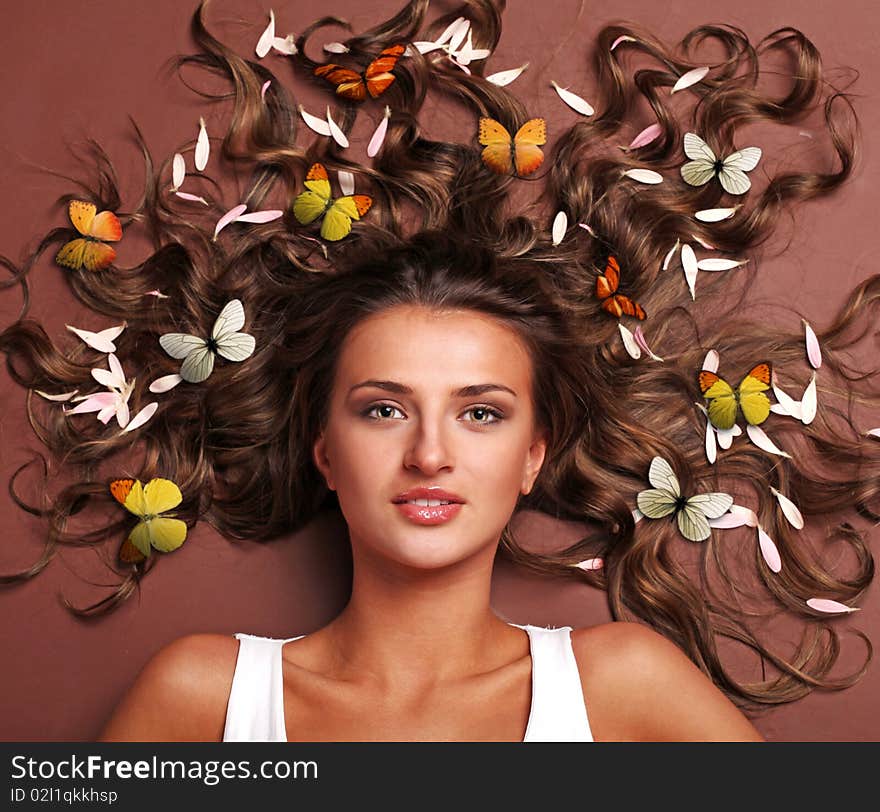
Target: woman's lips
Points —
{"points": [[428, 514]]}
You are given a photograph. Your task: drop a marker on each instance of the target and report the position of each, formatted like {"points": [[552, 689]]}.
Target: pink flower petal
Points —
{"points": [[264, 88], [643, 344], [165, 383], [588, 229], [736, 517], [194, 198], [690, 78], [814, 354], [101, 341], [94, 403], [458, 64], [702, 242], [157, 294], [646, 136], [265, 216], [826, 605], [873, 432], [759, 437], [123, 415], [622, 38], [379, 135], [142, 417], [116, 369], [591, 564], [769, 551], [231, 216]]}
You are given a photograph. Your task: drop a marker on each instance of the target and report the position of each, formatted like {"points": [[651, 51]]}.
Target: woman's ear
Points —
{"points": [[534, 461], [319, 454]]}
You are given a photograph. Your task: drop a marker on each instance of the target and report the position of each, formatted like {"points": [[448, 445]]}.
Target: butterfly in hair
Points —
{"points": [[338, 212], [749, 397], [355, 86], [612, 302], [519, 155], [731, 171], [148, 502], [90, 251]]}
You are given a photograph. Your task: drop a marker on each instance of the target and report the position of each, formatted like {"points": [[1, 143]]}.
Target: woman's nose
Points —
{"points": [[428, 448]]}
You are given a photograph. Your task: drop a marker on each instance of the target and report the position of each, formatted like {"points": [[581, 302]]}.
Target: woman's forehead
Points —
{"points": [[456, 346]]}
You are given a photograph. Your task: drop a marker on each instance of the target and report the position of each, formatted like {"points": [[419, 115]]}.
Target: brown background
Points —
{"points": [[75, 70]]}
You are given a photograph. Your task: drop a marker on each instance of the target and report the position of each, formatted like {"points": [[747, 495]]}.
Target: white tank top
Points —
{"points": [[558, 713]]}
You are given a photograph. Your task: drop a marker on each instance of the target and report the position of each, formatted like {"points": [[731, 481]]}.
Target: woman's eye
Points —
{"points": [[483, 413], [381, 411]]}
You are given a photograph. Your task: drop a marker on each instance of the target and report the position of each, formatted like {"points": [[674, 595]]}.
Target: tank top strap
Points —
{"points": [[255, 711], [559, 712]]}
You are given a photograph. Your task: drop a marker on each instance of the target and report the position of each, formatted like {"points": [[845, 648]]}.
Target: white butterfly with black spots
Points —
{"points": [[731, 171], [198, 353], [691, 512]]}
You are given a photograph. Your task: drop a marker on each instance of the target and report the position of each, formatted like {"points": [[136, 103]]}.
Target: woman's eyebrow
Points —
{"points": [[465, 392]]}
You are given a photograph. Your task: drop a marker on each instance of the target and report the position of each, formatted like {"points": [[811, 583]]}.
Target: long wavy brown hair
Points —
{"points": [[445, 232]]}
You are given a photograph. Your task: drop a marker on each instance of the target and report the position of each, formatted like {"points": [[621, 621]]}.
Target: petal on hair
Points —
{"points": [[346, 181], [574, 101], [141, 417], [466, 53], [809, 402], [64, 396], [622, 38], [749, 515], [646, 136], [725, 436], [265, 41], [203, 146], [702, 242], [588, 229], [790, 509], [711, 361], [165, 383], [335, 131], [178, 171], [814, 353], [505, 77], [759, 437], [459, 30], [264, 88], [94, 403], [314, 123], [450, 30], [157, 294], [424, 47], [644, 175], [711, 448], [769, 551], [228, 218], [379, 135], [335, 48], [689, 263], [670, 254], [643, 344], [560, 226], [590, 564], [786, 404], [873, 432], [102, 341], [832, 607], [458, 64], [690, 78], [285, 45], [265, 216], [737, 516], [629, 342], [193, 198], [715, 215], [719, 264]]}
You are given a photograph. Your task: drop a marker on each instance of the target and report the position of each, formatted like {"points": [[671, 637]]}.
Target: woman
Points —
{"points": [[447, 389], [481, 295]]}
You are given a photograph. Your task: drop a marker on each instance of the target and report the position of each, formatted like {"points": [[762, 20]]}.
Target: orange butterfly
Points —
{"points": [[376, 78], [520, 155], [616, 303], [88, 251]]}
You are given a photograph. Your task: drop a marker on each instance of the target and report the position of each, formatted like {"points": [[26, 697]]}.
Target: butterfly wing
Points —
{"points": [[180, 345], [623, 305], [129, 554], [337, 220], [165, 534], [378, 74], [312, 203], [97, 255], [82, 215], [198, 365], [744, 159], [161, 495], [697, 149], [134, 500], [711, 505], [72, 254], [656, 503], [697, 173], [692, 523], [661, 476], [349, 83], [230, 320], [527, 155], [606, 284], [106, 226], [497, 142], [734, 181], [120, 488], [721, 397], [754, 403], [237, 346]]}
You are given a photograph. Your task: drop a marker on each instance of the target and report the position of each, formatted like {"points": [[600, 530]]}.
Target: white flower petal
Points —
{"points": [[689, 263], [670, 254], [786, 405], [505, 77], [789, 509], [590, 564], [711, 448], [814, 353], [285, 45], [629, 342], [165, 383], [809, 402], [63, 397], [725, 436], [265, 41], [719, 264], [644, 175], [759, 437], [178, 171], [346, 181], [203, 146], [141, 417], [459, 32], [702, 242], [336, 48], [574, 101], [690, 78], [711, 361], [715, 215], [335, 131], [560, 226], [314, 123], [622, 38]]}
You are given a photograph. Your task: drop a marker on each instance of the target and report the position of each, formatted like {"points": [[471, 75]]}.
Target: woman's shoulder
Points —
{"points": [[180, 694], [640, 686]]}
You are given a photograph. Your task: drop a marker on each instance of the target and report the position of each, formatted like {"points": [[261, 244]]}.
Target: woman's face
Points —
{"points": [[424, 399]]}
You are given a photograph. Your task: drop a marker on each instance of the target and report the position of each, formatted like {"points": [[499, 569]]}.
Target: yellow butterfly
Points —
{"points": [[337, 212], [748, 396], [147, 502], [88, 251]]}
